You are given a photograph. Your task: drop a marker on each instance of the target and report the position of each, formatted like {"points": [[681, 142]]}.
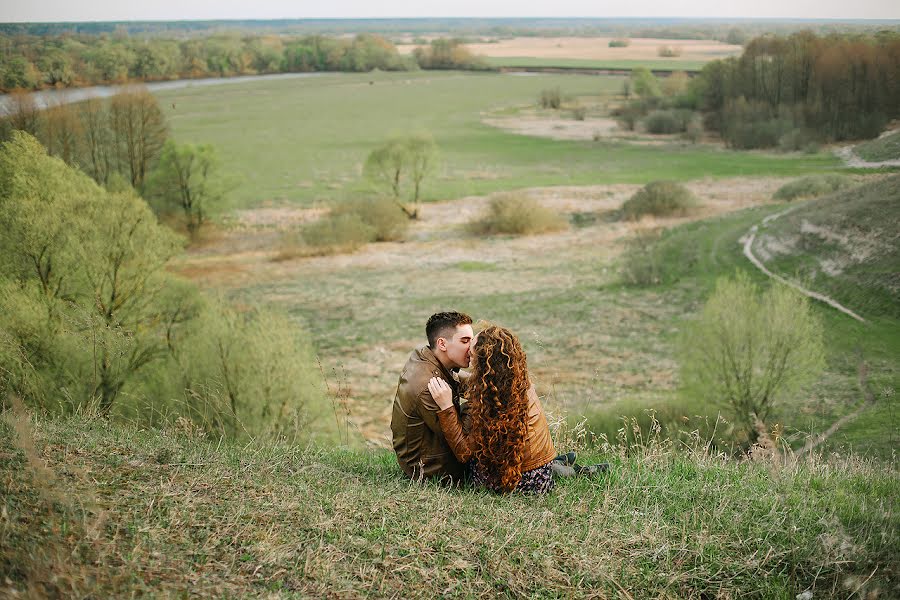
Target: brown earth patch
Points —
{"points": [[597, 48]]}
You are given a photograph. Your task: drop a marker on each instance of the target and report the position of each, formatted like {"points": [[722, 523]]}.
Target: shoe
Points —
{"points": [[566, 459], [590, 470]]}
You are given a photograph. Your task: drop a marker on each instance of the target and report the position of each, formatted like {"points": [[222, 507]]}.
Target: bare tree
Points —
{"points": [[139, 129]]}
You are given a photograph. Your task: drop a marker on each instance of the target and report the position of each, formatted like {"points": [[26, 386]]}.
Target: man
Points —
{"points": [[419, 441]]}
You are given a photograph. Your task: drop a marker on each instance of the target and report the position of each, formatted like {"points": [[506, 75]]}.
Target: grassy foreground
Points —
{"points": [[95, 510]]}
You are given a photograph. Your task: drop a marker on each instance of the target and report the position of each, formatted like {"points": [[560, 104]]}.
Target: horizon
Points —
{"points": [[59, 11], [670, 18]]}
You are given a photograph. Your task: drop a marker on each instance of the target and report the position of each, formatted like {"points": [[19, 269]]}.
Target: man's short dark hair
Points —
{"points": [[439, 324]]}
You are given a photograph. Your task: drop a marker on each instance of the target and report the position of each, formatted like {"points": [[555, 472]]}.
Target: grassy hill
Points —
{"points": [[845, 245], [884, 148], [690, 258], [90, 509]]}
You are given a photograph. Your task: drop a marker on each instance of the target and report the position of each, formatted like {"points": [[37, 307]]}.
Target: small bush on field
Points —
{"points": [[668, 121], [694, 131], [382, 214], [797, 139], [812, 186], [619, 43], [659, 198], [668, 51], [516, 214], [550, 98], [642, 260], [337, 233], [579, 113]]}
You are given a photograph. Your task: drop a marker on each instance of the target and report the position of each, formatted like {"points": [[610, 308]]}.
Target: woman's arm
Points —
{"points": [[449, 419]]}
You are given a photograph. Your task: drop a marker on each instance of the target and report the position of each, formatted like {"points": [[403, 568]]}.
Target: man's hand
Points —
{"points": [[441, 392]]}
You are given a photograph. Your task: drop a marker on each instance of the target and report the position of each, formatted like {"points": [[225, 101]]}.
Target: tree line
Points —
{"points": [[792, 92], [34, 62], [820, 88]]}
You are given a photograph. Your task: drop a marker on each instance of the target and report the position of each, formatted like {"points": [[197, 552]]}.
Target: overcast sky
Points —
{"points": [[119, 10]]}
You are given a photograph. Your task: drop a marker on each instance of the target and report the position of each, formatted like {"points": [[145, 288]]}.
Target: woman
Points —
{"points": [[505, 436]]}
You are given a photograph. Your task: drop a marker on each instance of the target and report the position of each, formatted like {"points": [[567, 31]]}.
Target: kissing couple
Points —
{"points": [[486, 426]]}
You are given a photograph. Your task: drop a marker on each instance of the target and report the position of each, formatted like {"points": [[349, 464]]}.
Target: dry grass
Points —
{"points": [[366, 310], [187, 516]]}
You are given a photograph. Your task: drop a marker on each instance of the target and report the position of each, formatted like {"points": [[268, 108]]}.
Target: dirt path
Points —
{"points": [[850, 159], [748, 240]]}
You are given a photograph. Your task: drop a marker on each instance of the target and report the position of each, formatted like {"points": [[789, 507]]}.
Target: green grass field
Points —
{"points": [[303, 141], [674, 64], [91, 509]]}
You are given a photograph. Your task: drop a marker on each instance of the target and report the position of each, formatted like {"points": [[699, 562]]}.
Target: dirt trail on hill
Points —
{"points": [[748, 240], [850, 159]]}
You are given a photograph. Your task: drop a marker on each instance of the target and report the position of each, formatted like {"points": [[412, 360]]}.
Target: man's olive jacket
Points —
{"points": [[419, 441]]}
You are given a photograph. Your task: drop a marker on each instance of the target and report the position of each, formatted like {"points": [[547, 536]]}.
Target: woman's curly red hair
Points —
{"points": [[498, 400]]}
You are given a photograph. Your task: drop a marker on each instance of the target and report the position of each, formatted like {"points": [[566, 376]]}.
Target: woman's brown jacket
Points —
{"points": [[538, 445]]}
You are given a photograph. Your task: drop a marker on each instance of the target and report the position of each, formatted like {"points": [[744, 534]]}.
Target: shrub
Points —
{"points": [[579, 113], [668, 51], [747, 351], [812, 186], [694, 131], [516, 214], [337, 233], [668, 121], [659, 198], [619, 43], [645, 83], [798, 139], [550, 98], [382, 214], [642, 261], [675, 84]]}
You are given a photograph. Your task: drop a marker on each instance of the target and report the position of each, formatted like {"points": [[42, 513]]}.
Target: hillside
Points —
{"points": [[845, 245], [95, 510]]}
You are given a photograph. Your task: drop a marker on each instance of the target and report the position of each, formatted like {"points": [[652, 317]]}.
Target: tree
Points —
{"points": [[22, 111], [749, 352], [422, 154], [62, 131], [414, 157], [97, 151], [139, 131], [645, 84], [185, 179], [93, 261]]}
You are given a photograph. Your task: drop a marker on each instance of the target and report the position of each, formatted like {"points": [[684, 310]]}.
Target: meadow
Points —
{"points": [[304, 141], [598, 348]]}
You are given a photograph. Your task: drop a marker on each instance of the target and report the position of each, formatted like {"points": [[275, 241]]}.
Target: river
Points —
{"points": [[45, 98]]}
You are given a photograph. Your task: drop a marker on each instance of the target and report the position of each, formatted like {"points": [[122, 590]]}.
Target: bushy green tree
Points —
{"points": [[92, 259], [644, 83], [401, 163], [748, 352], [186, 180], [91, 319]]}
